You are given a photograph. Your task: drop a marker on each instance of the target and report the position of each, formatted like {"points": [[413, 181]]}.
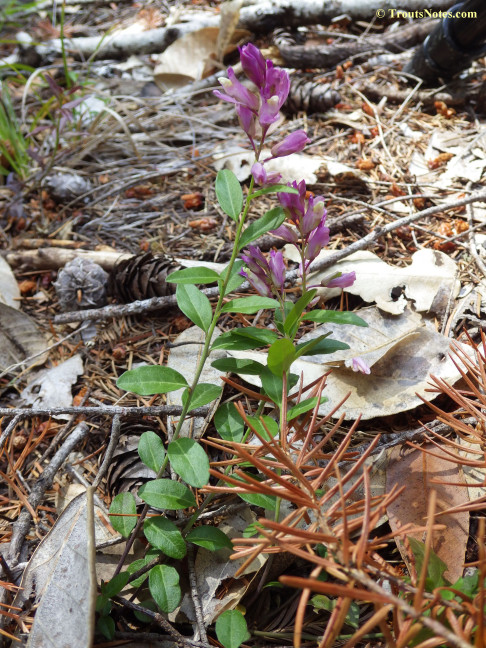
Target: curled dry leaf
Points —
{"points": [[401, 352], [52, 387], [418, 471], [20, 340], [428, 281], [61, 579], [9, 290]]}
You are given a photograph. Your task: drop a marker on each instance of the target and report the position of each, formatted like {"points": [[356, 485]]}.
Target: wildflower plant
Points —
{"points": [[300, 219]]}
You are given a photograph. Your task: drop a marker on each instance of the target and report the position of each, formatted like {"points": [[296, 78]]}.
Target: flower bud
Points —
{"points": [[340, 280], [253, 64], [293, 143]]}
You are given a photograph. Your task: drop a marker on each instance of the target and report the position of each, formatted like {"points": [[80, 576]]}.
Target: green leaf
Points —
{"points": [[245, 338], [435, 567], [303, 407], [272, 386], [320, 345], [164, 587], [166, 494], [281, 188], [123, 504], [269, 423], [334, 317], [190, 461], [229, 423], [151, 379], [235, 279], [106, 626], [231, 629], [165, 536], [270, 221], [115, 585], [149, 604], [292, 320], [257, 499], [209, 537], [280, 356], [239, 366], [203, 394], [229, 193], [198, 275], [195, 305], [249, 305], [134, 567], [151, 450]]}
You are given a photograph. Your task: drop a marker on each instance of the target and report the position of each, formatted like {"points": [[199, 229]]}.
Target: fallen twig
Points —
{"points": [[111, 410]]}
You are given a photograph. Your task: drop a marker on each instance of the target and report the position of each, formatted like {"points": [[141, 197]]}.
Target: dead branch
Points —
{"points": [[376, 92], [261, 17], [110, 410], [21, 526], [326, 56], [53, 258]]}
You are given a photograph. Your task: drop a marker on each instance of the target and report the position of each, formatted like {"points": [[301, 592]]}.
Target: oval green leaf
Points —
{"points": [[164, 587], [249, 305], [189, 460], [231, 629], [151, 379], [239, 366], [195, 305], [198, 275], [270, 221], [166, 494], [151, 450], [280, 356], [229, 193], [229, 423], [164, 535], [203, 394], [125, 507], [334, 317], [209, 537], [280, 188]]}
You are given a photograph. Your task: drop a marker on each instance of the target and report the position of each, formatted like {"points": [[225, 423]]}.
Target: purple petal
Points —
{"points": [[286, 233], [237, 92], [294, 203], [317, 240], [277, 84], [253, 64], [315, 214], [260, 285], [343, 280], [259, 173], [277, 269], [358, 364], [293, 143], [246, 118]]}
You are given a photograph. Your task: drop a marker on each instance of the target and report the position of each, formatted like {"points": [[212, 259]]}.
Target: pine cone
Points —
{"points": [[81, 284], [127, 472], [142, 277]]}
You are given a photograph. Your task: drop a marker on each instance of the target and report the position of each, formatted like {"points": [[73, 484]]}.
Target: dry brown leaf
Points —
{"points": [[417, 471]]}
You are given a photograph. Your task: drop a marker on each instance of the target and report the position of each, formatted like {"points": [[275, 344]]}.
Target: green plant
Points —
{"points": [[299, 219], [13, 146]]}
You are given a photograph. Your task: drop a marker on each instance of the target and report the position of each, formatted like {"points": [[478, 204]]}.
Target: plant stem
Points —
{"points": [[205, 353]]}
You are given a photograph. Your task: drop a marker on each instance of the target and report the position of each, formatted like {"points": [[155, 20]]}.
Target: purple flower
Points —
{"points": [[340, 280], [294, 204], [277, 269], [253, 64], [293, 143], [247, 120], [358, 364], [261, 176], [315, 214], [236, 92], [286, 233], [317, 240], [267, 277]]}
